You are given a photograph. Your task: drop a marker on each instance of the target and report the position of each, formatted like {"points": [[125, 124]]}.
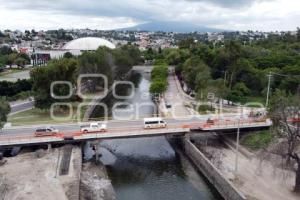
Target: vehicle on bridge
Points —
{"points": [[155, 122], [45, 131], [94, 127]]}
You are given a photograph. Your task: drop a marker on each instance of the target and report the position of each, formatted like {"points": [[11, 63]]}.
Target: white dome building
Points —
{"points": [[88, 44], [75, 47]]}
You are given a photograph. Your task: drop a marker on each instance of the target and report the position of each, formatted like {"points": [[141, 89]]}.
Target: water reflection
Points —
{"points": [[149, 168]]}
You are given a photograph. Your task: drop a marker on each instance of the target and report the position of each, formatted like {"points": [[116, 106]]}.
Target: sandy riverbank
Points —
{"points": [[37, 175], [257, 179]]}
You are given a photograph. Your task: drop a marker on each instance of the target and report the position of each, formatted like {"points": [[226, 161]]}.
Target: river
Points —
{"points": [[150, 168]]}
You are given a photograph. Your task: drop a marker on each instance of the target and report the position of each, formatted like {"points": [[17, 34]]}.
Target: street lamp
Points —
{"points": [[237, 148], [268, 92]]}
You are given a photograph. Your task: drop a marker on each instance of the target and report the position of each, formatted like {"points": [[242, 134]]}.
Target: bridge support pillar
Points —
{"points": [[187, 136], [96, 148], [49, 148]]}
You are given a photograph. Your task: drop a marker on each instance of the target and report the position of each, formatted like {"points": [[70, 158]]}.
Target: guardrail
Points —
{"points": [[134, 131], [228, 124]]}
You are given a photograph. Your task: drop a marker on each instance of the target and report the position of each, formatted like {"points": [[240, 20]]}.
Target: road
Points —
{"points": [[174, 97], [111, 125], [13, 77], [179, 114], [21, 106]]}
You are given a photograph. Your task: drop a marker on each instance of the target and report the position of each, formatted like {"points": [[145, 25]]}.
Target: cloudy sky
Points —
{"points": [[263, 15]]}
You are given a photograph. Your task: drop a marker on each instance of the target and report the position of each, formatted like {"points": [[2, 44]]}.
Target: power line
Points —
{"points": [[285, 75]]}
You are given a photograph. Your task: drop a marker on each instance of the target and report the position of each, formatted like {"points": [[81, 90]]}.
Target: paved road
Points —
{"points": [[174, 97], [113, 124], [13, 77], [22, 106]]}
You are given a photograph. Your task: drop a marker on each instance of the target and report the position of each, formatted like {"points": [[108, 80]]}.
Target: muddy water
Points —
{"points": [[150, 168]]}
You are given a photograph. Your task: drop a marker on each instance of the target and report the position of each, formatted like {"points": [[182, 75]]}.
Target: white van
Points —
{"points": [[154, 123]]}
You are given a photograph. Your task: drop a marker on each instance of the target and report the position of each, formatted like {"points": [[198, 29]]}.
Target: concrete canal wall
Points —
{"points": [[224, 186]]}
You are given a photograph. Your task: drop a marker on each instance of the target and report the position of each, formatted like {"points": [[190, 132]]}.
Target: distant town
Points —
{"points": [[32, 41]]}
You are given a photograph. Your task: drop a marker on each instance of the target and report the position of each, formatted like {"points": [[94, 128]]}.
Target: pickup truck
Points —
{"points": [[45, 131], [93, 127]]}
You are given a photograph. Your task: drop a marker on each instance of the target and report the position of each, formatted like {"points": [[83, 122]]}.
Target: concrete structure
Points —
{"points": [[224, 187], [116, 129], [69, 137]]}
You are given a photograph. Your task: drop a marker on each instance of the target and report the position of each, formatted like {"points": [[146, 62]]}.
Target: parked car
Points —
{"points": [[94, 127], [45, 131]]}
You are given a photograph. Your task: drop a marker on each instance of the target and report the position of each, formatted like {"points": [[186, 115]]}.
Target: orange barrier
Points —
{"points": [[185, 126], [195, 125], [294, 120]]}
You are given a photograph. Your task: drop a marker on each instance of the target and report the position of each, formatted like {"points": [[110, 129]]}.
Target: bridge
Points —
{"points": [[179, 122], [125, 129]]}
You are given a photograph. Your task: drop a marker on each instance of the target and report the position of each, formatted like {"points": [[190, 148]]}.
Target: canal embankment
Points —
{"points": [[215, 177], [257, 175]]}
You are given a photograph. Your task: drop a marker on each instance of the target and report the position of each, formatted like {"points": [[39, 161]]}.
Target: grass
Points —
{"points": [[11, 71], [204, 109], [38, 116], [257, 140], [256, 99]]}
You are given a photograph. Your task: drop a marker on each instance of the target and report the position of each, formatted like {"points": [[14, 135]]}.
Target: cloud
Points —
{"points": [[227, 14], [230, 3]]}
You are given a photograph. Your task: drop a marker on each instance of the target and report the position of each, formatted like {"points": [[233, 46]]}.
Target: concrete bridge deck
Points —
{"points": [[125, 129], [67, 137]]}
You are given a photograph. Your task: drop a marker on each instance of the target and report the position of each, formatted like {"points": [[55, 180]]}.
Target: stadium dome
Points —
{"points": [[88, 44]]}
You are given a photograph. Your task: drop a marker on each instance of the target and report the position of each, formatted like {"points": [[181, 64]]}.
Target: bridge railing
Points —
{"points": [[235, 123], [31, 138]]}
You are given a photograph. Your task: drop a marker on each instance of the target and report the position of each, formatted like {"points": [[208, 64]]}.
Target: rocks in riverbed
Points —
{"points": [[94, 183]]}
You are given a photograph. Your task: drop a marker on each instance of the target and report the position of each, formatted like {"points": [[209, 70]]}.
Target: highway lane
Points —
{"points": [[113, 124], [193, 120]]}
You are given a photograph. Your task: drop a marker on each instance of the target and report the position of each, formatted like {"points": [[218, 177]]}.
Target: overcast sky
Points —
{"points": [[266, 15]]}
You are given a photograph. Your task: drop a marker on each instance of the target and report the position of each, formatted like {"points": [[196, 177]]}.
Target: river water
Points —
{"points": [[150, 168]]}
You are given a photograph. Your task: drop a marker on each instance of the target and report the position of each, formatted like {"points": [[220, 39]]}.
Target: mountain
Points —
{"points": [[171, 26]]}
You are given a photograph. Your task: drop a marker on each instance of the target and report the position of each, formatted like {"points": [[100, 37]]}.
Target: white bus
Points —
{"points": [[154, 123]]}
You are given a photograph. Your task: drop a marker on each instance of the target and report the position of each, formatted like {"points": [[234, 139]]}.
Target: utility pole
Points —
{"points": [[225, 77], [268, 92], [237, 148]]}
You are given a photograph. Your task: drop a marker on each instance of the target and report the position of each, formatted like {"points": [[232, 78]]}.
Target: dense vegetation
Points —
{"points": [[11, 89], [10, 57], [4, 110], [258, 140], [114, 64], [234, 71], [159, 77]]}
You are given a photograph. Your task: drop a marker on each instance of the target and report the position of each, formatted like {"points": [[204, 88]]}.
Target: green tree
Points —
{"points": [[196, 74], [56, 70], [11, 59], [5, 50], [283, 107], [2, 65], [159, 77], [186, 43], [4, 111], [68, 55], [233, 48], [158, 87], [21, 62]]}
